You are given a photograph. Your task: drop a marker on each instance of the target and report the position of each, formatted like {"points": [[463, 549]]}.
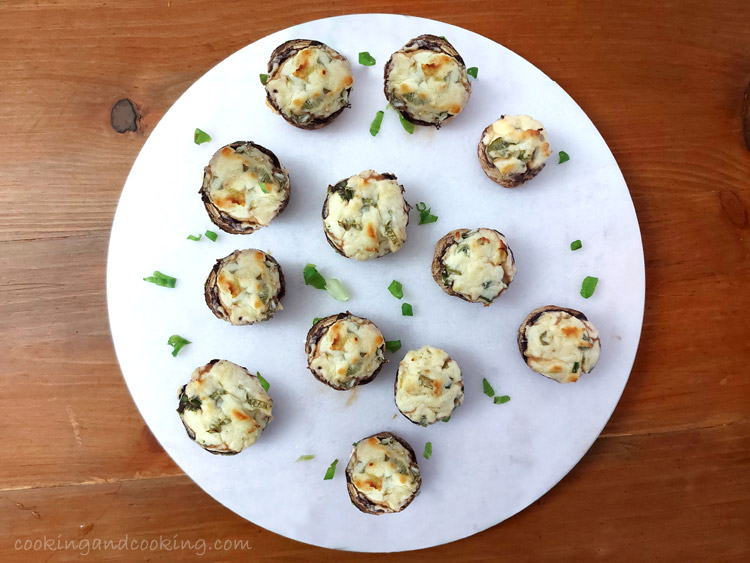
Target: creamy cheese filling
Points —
{"points": [[516, 143], [244, 185], [428, 385], [349, 351], [430, 85], [562, 346], [247, 287], [367, 216], [225, 407], [313, 83], [381, 470], [478, 265]]}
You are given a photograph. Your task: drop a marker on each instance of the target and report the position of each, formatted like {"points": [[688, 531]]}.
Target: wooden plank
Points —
{"points": [[693, 504]]}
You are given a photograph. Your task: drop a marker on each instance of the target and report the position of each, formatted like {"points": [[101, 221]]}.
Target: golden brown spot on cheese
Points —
{"points": [[371, 231], [348, 81], [373, 441], [229, 285], [556, 369], [455, 109], [571, 330], [437, 388], [239, 415], [379, 341], [402, 478], [259, 256], [226, 151]]}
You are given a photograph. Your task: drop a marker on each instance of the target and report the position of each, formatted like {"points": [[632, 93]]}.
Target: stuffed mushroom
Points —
{"points": [[382, 475], [308, 83], [559, 343], [344, 351], [365, 216], [428, 385], [224, 408], [426, 81], [475, 265], [244, 187], [245, 287], [513, 150]]}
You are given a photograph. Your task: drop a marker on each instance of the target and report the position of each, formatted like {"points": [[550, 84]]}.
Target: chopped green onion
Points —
{"points": [[488, 390], [331, 471], [396, 289], [575, 245], [446, 419], [424, 214], [306, 457], [193, 237], [355, 444], [393, 345], [200, 137], [427, 450], [211, 235], [563, 157], [263, 188], [588, 286], [177, 342], [336, 290], [406, 124], [263, 381], [263, 79], [316, 320], [501, 400], [575, 367], [375, 125], [161, 280], [442, 37], [366, 59], [473, 71], [333, 286], [406, 310], [313, 277]]}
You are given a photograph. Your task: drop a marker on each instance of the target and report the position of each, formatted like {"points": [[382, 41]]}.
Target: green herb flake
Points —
{"points": [[406, 310], [264, 79], [446, 419], [427, 450], [375, 125], [193, 237], [488, 390], [393, 345], [576, 365], [366, 59], [424, 214], [473, 71], [263, 188], [576, 244], [406, 124], [200, 137], [501, 400], [162, 280], [588, 286], [189, 403], [442, 37], [177, 342], [316, 320], [263, 381], [211, 235], [336, 290], [563, 157], [313, 277], [396, 289], [306, 457], [331, 471]]}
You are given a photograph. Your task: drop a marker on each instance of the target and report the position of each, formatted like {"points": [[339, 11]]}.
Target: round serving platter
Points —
{"points": [[489, 461]]}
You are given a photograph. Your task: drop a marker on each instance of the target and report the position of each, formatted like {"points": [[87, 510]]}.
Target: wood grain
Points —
{"points": [[663, 82]]}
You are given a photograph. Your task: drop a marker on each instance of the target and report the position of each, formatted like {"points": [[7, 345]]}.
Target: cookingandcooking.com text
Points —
{"points": [[87, 546]]}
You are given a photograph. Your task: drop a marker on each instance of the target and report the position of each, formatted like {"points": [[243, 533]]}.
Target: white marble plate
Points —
{"points": [[490, 461]]}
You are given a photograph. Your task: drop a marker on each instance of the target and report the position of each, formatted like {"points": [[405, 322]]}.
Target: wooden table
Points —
{"points": [[669, 478]]}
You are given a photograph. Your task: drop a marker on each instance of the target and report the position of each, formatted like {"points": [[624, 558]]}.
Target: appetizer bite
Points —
{"points": [[345, 350], [559, 343], [308, 83], [245, 287], [426, 81], [428, 385], [224, 408], [513, 150], [475, 265], [382, 475], [244, 187], [365, 216]]}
